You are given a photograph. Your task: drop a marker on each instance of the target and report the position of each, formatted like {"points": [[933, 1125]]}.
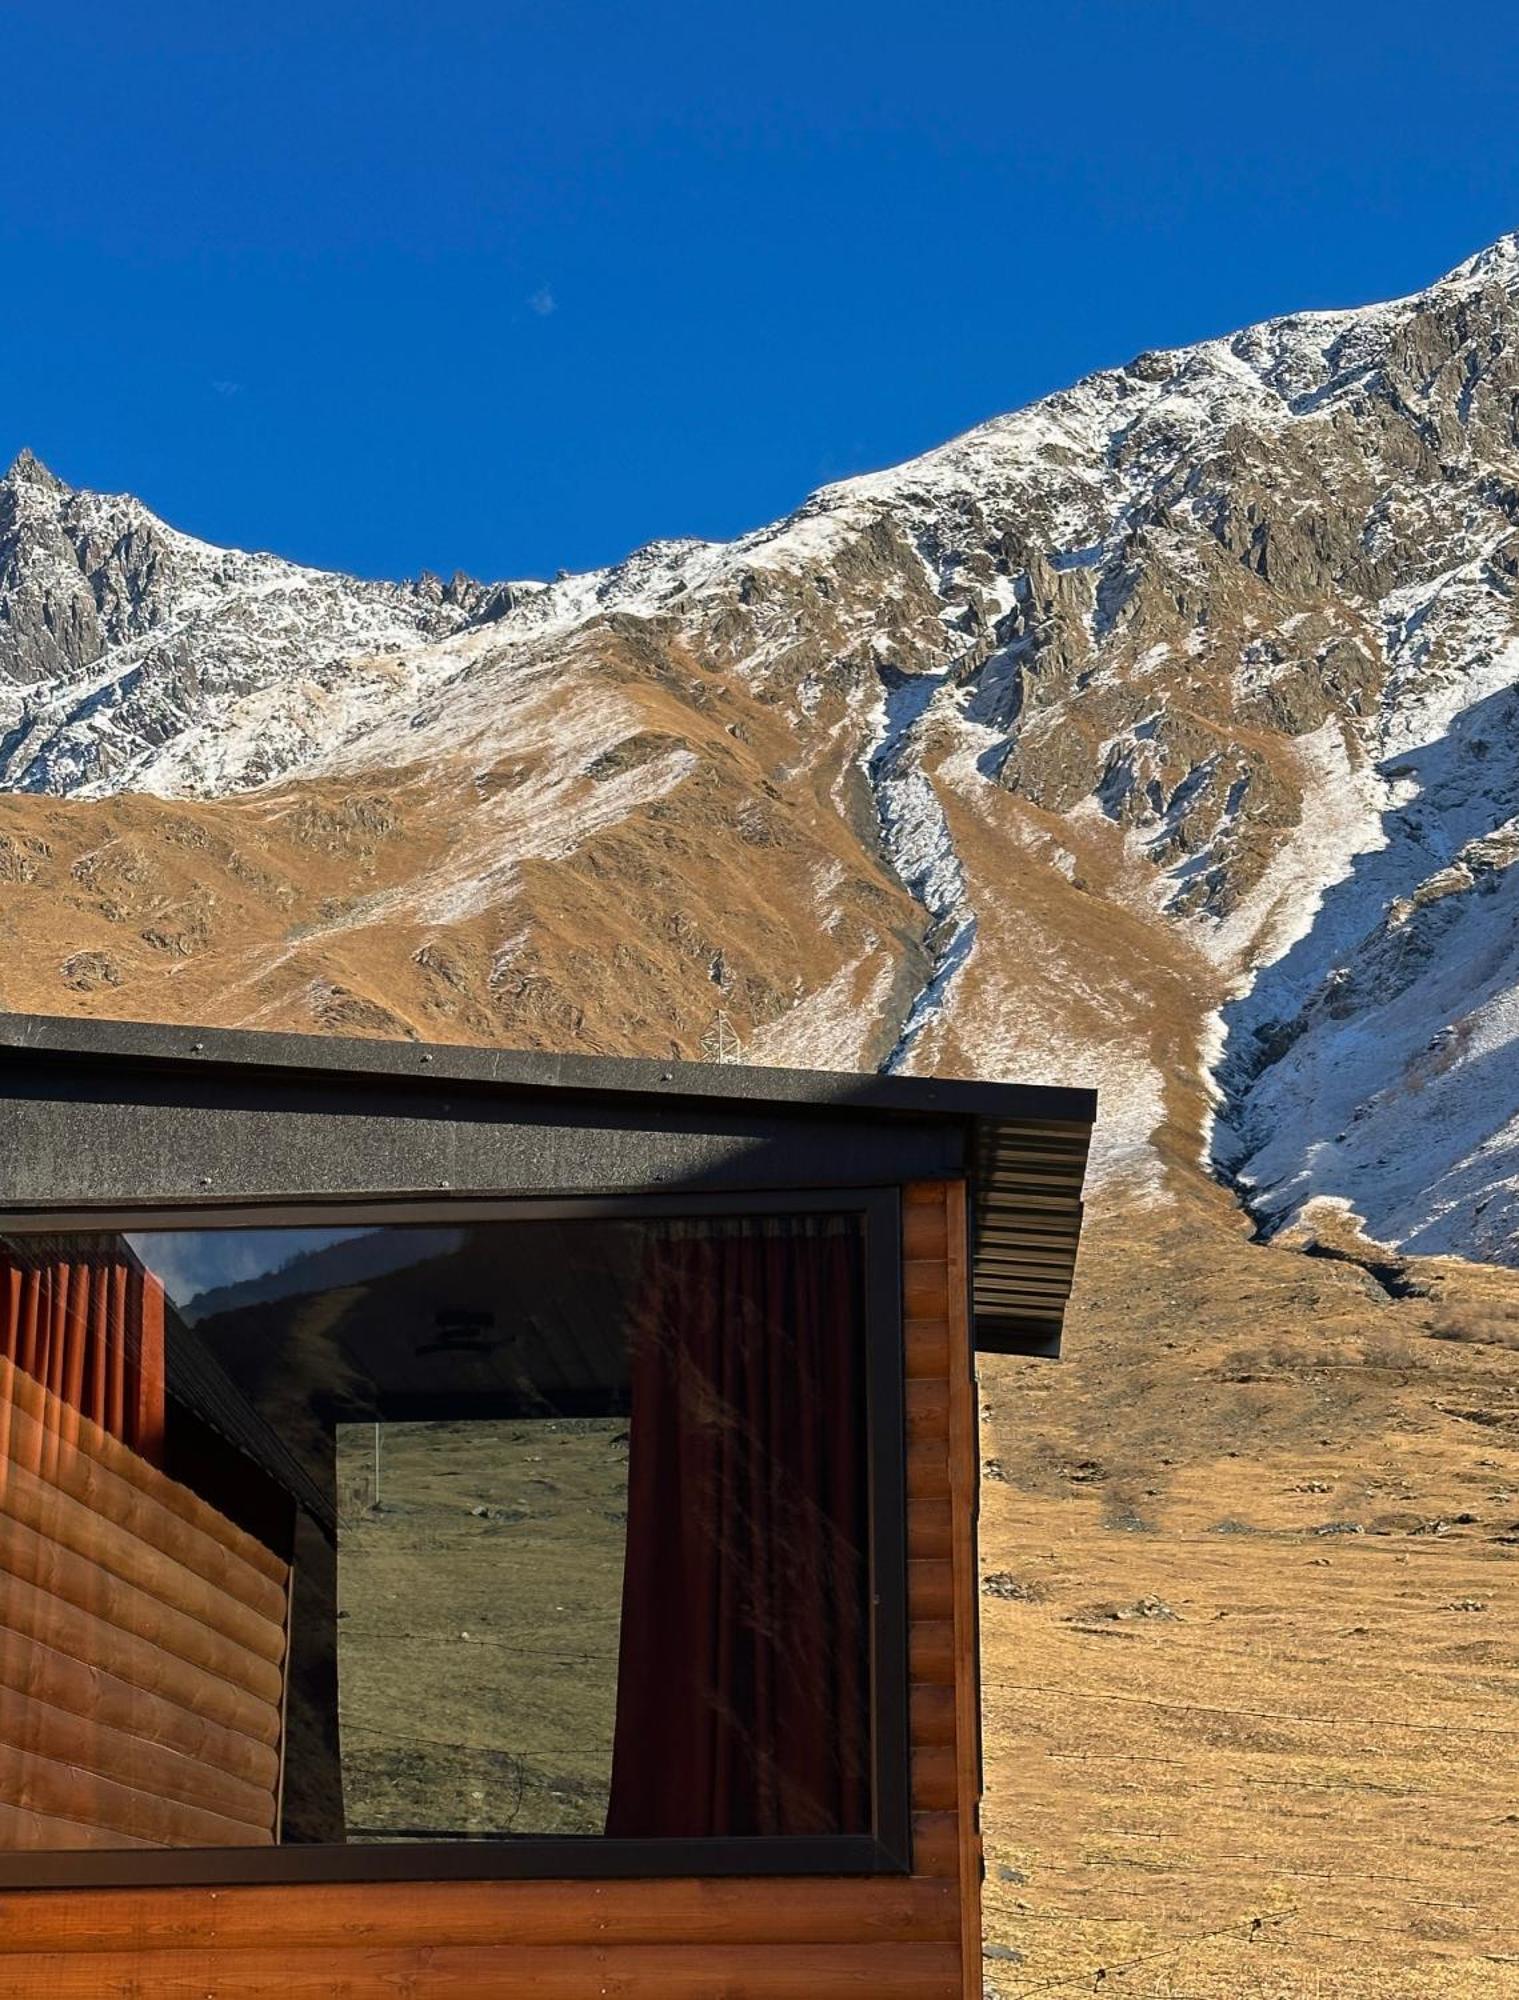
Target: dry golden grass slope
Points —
{"points": [[451, 904], [1251, 1640]]}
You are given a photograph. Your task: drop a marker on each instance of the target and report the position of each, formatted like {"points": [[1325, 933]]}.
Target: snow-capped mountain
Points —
{"points": [[124, 642], [1166, 731]]}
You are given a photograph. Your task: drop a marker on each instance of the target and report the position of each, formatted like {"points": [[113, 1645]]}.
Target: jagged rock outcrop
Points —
{"points": [[118, 634]]}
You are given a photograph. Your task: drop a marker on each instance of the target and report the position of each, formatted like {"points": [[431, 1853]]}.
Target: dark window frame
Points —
{"points": [[887, 1850]]}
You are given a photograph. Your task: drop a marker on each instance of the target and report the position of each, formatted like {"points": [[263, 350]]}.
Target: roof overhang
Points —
{"points": [[96, 1115]]}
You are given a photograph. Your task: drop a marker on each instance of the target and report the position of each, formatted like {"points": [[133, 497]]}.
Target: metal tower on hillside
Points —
{"points": [[721, 1043]]}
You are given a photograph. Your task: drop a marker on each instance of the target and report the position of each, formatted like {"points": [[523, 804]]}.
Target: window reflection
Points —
{"points": [[421, 1533], [483, 1561]]}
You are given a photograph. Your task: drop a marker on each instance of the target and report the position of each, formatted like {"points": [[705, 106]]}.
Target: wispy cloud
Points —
{"points": [[542, 302], [228, 388]]}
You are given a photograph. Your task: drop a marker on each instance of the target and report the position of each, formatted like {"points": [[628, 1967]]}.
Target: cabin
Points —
{"points": [[495, 1525]]}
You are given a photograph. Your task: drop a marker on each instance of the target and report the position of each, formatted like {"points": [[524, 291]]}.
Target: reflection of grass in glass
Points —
{"points": [[479, 1609]]}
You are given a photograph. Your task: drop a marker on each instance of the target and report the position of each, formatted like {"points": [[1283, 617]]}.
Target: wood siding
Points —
{"points": [[141, 1646], [944, 1473], [814, 1938]]}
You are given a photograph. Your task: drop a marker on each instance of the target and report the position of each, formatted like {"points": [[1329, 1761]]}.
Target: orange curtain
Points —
{"points": [[89, 1326]]}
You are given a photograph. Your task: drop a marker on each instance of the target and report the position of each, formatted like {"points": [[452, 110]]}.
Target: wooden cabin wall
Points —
{"points": [[943, 1488], [142, 1639], [916, 1937]]}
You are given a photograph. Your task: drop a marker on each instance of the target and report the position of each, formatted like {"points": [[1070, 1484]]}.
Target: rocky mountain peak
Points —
{"points": [[27, 469], [1498, 262]]}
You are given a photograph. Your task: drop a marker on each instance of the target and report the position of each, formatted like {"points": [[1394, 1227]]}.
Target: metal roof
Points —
{"points": [[1023, 1146]]}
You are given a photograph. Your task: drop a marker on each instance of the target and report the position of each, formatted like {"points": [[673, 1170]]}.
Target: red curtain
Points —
{"points": [[89, 1326], [743, 1699]]}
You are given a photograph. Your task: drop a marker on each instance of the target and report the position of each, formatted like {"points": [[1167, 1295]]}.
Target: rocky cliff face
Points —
{"points": [[1163, 733], [118, 636]]}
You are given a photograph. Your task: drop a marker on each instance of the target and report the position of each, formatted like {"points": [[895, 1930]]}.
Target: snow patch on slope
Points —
{"points": [[1372, 1058], [919, 846], [1341, 818], [831, 1028]]}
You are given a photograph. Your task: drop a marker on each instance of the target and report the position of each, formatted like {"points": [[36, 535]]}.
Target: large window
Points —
{"points": [[535, 1540]]}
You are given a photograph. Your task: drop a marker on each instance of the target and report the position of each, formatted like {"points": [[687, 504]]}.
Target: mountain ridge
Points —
{"points": [[634, 585], [1157, 732]]}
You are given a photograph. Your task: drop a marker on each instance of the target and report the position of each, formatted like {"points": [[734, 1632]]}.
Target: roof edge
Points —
{"points": [[532, 1070]]}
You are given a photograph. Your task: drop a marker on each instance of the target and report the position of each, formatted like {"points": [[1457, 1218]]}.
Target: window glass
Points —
{"points": [[379, 1535], [487, 1557]]}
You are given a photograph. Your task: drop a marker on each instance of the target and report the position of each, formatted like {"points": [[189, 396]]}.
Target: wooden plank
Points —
{"points": [[931, 1651], [935, 1778], [28, 1396], [923, 1194], [930, 1589], [32, 1668], [35, 1833], [29, 1613], [332, 1916], [965, 1474], [96, 1534], [282, 1971], [924, 1230], [82, 1741], [928, 1470], [76, 1580], [923, 1288], [930, 1529], [933, 1713], [927, 1348], [935, 1851], [927, 1408], [141, 1504], [64, 1791], [937, 1523]]}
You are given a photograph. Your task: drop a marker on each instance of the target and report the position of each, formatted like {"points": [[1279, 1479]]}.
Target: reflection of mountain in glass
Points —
{"points": [[403, 1323], [295, 1261]]}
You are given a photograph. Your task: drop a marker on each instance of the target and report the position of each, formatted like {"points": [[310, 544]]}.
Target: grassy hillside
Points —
{"points": [[1250, 1632]]}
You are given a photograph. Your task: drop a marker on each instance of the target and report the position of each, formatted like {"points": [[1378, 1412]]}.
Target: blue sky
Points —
{"points": [[511, 287]]}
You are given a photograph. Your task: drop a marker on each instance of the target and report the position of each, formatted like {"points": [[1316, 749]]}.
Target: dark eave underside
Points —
{"points": [[1025, 1145]]}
